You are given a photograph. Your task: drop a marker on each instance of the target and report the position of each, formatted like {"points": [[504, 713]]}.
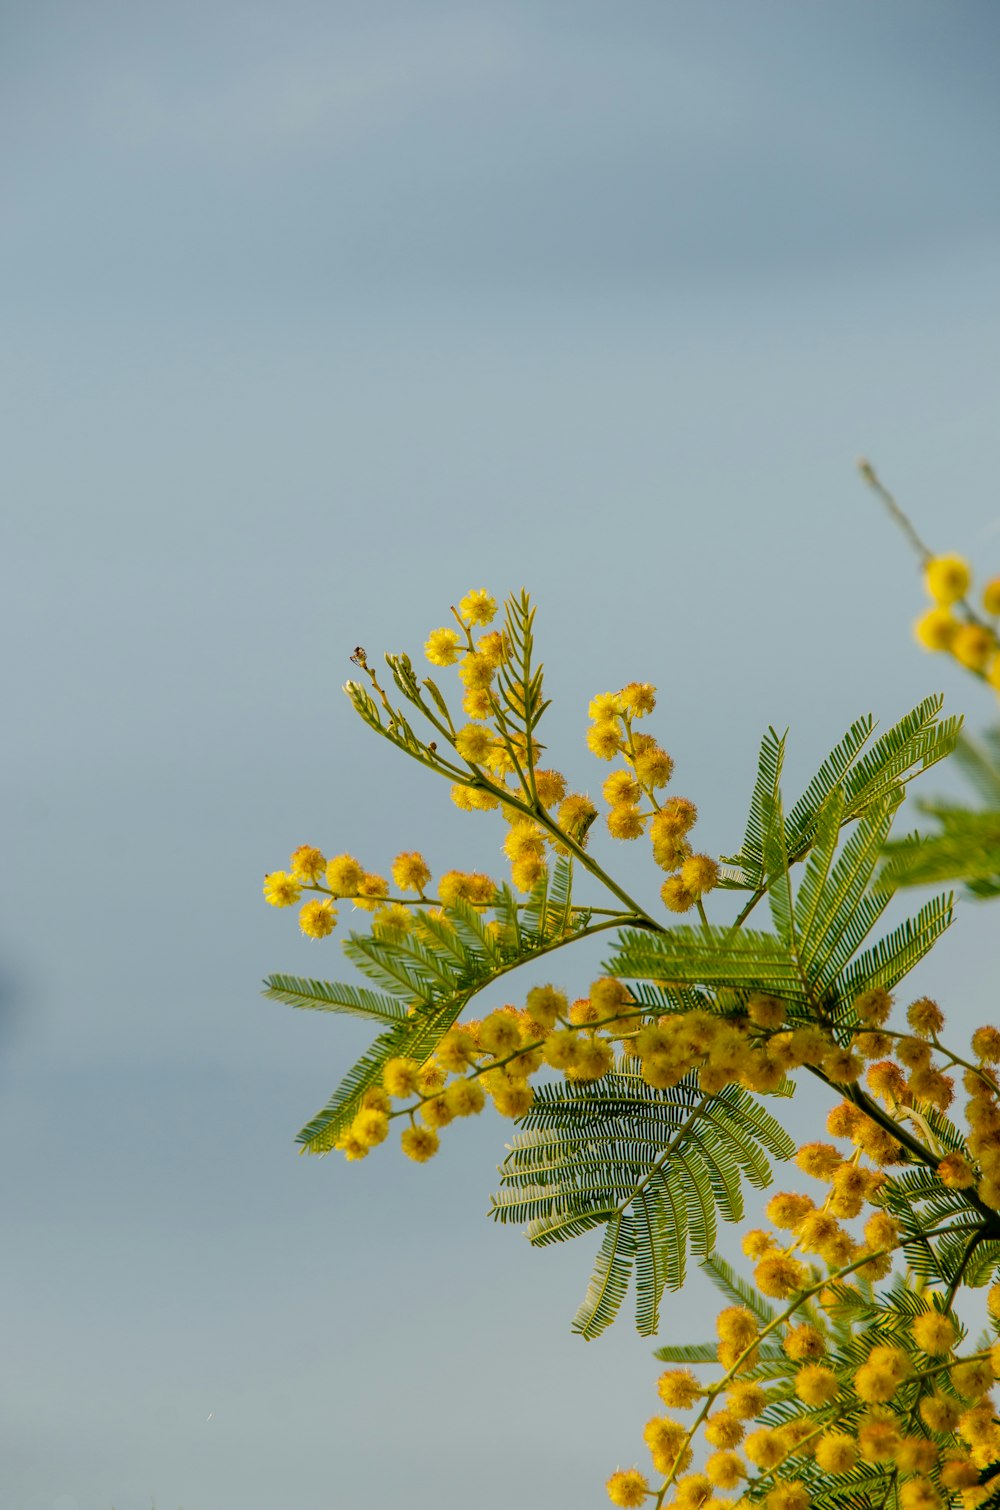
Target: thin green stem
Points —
{"points": [[878, 487]]}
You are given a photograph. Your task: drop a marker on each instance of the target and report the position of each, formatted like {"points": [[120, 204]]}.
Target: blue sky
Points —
{"points": [[315, 317]]}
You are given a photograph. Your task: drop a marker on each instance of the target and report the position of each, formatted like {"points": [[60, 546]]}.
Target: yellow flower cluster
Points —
{"points": [[632, 794], [973, 643], [847, 1420], [343, 878], [946, 1436], [493, 1059]]}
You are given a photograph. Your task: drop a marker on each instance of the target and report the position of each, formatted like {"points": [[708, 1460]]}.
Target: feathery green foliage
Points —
{"points": [[963, 843], [657, 1167]]}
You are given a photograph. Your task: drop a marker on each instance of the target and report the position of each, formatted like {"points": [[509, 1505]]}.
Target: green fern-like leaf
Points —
{"points": [[327, 996], [965, 847], [747, 959], [862, 777], [749, 865], [672, 1162]]}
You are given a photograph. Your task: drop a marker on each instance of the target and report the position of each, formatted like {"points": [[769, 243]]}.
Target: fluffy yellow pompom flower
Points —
{"points": [[477, 607], [882, 1231], [281, 890], [621, 787], [788, 1209], [692, 1492], [527, 870], [878, 1440], [991, 596], [665, 1439], [344, 876], [624, 822], [627, 1488], [465, 1098], [372, 890], [916, 1455], [725, 1469], [606, 705], [947, 579], [699, 874], [420, 1143], [935, 629], [499, 1033], [513, 1099], [492, 648], [919, 1494], [576, 814], [873, 1007], [816, 1385], [745, 1399], [638, 698], [737, 1324], [678, 1388], [474, 743], [836, 1452], [604, 739], [886, 1080], [550, 787], [940, 1412], [878, 1380], [608, 996], [410, 871], [429, 1078], [972, 1379], [318, 919], [763, 1448], [473, 886], [676, 818], [307, 863], [804, 1342], [371, 1126], [436, 1112], [778, 1276], [933, 1332], [958, 1473], [476, 702], [442, 647], [821, 1233], [986, 1045], [973, 646], [765, 1011], [675, 896], [392, 921], [654, 767], [476, 672], [791, 1495], [593, 1061], [925, 1017], [562, 1049], [821, 1160], [401, 1077], [524, 838], [544, 1005], [724, 1430], [843, 1066], [351, 1146], [955, 1172]]}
